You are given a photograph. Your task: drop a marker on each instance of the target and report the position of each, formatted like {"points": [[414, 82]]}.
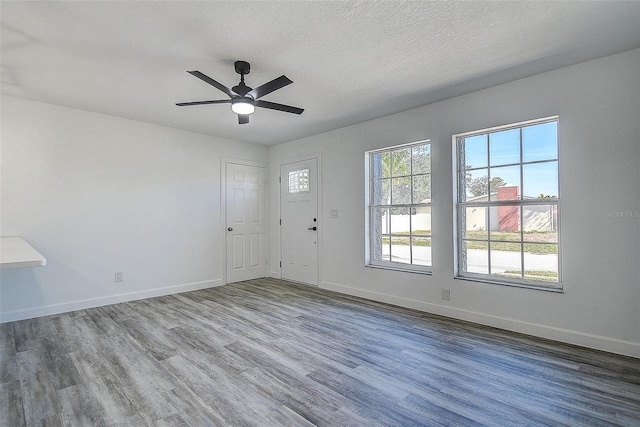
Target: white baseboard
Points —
{"points": [[66, 307], [596, 342], [274, 274]]}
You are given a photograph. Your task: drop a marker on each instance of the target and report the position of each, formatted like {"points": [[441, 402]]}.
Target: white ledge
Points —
{"points": [[16, 253]]}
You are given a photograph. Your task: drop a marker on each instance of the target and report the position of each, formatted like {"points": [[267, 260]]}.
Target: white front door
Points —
{"points": [[245, 222], [299, 221]]}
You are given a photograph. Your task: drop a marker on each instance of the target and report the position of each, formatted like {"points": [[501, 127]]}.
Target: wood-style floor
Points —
{"points": [[271, 353]]}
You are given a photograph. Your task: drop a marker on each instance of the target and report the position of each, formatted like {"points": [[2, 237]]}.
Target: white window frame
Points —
{"points": [[459, 207], [369, 197]]}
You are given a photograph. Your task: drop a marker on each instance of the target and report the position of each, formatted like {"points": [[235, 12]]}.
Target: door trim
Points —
{"points": [[285, 161], [223, 207]]}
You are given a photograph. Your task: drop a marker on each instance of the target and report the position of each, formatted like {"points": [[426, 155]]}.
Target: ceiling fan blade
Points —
{"points": [[267, 88], [243, 119], [218, 101], [213, 83], [279, 107]]}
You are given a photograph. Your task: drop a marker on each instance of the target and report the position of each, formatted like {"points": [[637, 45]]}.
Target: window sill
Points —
{"points": [[401, 269], [532, 285]]}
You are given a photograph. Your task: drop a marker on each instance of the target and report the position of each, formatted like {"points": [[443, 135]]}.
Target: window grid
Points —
{"points": [[547, 276], [298, 181], [397, 234]]}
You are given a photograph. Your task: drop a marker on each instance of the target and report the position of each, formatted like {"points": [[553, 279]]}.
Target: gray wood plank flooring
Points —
{"points": [[271, 353]]}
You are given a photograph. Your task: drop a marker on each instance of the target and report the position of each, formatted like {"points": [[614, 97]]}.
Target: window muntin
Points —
{"points": [[507, 207], [399, 207], [298, 181]]}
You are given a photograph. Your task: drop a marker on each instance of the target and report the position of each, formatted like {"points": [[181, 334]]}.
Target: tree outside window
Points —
{"points": [[400, 207]]}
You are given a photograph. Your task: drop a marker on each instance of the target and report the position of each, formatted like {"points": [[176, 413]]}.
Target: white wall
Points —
{"points": [[599, 107], [97, 194]]}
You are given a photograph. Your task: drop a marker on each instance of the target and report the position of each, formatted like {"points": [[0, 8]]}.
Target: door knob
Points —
{"points": [[230, 229], [312, 228]]}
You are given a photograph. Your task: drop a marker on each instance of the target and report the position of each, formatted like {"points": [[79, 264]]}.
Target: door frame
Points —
{"points": [[223, 207], [294, 159]]}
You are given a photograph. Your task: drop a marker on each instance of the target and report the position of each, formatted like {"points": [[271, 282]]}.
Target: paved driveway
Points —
{"points": [[477, 259]]}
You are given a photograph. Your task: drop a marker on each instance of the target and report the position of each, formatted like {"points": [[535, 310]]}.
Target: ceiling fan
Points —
{"points": [[242, 98]]}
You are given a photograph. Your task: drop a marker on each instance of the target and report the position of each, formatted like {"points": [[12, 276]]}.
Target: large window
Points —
{"points": [[399, 207], [507, 204]]}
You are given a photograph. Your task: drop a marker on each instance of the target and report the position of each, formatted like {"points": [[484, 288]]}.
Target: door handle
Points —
{"points": [[312, 228], [230, 229]]}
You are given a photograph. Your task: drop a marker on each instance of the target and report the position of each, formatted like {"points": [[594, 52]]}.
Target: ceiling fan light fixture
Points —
{"points": [[242, 105]]}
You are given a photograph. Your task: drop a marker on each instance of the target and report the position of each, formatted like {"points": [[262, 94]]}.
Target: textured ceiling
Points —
{"points": [[350, 61]]}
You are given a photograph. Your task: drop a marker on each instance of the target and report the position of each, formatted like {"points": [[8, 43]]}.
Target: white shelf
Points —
{"points": [[16, 253]]}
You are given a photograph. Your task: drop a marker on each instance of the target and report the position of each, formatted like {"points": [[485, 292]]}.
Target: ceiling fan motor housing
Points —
{"points": [[242, 90]]}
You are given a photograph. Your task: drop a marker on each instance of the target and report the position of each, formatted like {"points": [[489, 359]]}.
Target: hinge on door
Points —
{"points": [[280, 264], [280, 221], [280, 179]]}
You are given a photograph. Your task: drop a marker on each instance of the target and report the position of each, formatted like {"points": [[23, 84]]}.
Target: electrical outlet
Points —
{"points": [[334, 213], [446, 294], [119, 276]]}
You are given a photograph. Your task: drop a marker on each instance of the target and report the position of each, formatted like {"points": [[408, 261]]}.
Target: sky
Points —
{"points": [[494, 154]]}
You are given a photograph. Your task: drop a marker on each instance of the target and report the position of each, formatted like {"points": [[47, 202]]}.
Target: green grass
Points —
{"points": [[511, 236], [536, 242], [415, 232], [533, 248], [404, 241], [549, 276]]}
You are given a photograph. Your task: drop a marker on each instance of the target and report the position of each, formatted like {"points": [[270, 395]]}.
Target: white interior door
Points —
{"points": [[245, 222], [299, 221]]}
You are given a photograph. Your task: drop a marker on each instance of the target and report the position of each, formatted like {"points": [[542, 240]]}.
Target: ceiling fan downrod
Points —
{"points": [[242, 68]]}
